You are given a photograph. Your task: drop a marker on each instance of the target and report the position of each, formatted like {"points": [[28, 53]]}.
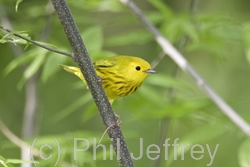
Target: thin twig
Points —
{"points": [[172, 52], [16, 140], [37, 43], [22, 144], [157, 60]]}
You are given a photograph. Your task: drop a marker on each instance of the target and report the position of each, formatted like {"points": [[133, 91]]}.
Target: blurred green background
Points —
{"points": [[213, 37]]}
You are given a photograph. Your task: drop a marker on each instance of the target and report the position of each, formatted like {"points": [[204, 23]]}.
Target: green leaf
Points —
{"points": [[155, 17], [102, 54], [27, 45], [85, 160], [37, 62], [4, 162], [146, 90], [14, 39], [212, 45], [47, 44], [89, 113], [93, 38], [163, 8], [40, 56], [190, 31], [137, 37], [18, 62], [84, 4], [17, 4], [246, 40], [199, 136], [72, 107], [110, 5], [244, 153], [180, 26], [51, 66], [166, 82], [182, 107], [98, 5], [18, 161]]}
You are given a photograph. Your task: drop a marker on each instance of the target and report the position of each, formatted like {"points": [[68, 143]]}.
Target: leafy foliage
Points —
{"points": [[66, 110]]}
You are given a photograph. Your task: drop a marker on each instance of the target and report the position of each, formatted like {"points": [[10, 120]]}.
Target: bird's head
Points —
{"points": [[138, 69]]}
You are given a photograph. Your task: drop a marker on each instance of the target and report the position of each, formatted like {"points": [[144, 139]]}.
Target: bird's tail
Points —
{"points": [[74, 70]]}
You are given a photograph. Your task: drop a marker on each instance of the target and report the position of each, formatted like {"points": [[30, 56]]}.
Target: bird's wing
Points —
{"points": [[104, 63]]}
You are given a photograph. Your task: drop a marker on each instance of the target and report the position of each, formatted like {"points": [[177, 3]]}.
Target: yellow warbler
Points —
{"points": [[120, 75]]}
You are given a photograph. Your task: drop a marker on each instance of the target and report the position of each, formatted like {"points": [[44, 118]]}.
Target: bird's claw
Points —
{"points": [[100, 79], [118, 121]]}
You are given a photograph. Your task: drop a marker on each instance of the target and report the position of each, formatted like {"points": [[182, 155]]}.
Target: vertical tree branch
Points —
{"points": [[28, 127], [30, 112], [81, 57], [172, 52]]}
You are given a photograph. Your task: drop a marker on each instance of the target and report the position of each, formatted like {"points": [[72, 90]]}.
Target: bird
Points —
{"points": [[120, 75]]}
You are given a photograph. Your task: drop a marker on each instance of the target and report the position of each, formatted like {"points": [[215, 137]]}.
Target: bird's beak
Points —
{"points": [[150, 71]]}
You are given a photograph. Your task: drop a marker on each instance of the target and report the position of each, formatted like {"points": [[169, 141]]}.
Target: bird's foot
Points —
{"points": [[118, 121], [100, 79]]}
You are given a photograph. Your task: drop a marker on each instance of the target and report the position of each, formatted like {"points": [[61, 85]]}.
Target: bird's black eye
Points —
{"points": [[138, 68]]}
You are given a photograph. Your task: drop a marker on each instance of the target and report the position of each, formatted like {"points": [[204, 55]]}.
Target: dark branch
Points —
{"points": [[81, 57], [37, 43]]}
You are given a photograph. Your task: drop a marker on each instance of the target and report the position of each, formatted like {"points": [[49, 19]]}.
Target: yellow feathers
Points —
{"points": [[121, 75]]}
